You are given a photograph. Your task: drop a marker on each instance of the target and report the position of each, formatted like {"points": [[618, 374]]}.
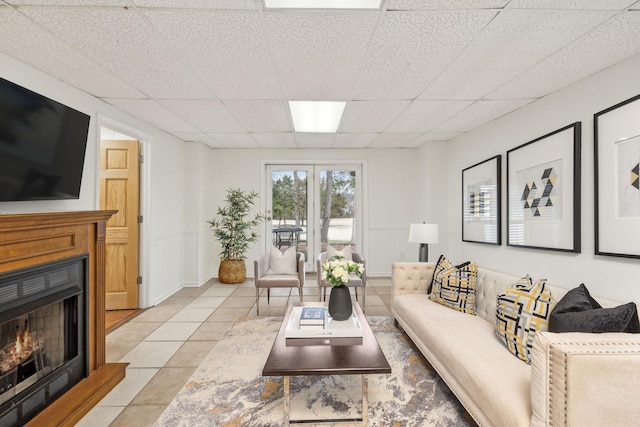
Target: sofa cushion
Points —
{"points": [[282, 262], [577, 311], [522, 310], [456, 288]]}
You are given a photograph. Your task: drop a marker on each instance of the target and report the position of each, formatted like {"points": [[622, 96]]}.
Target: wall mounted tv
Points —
{"points": [[42, 146]]}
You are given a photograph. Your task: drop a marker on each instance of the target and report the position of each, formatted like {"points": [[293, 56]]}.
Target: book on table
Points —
{"points": [[313, 317]]}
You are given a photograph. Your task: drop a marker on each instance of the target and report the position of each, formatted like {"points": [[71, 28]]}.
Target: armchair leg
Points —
{"points": [[300, 292], [257, 301], [268, 294]]}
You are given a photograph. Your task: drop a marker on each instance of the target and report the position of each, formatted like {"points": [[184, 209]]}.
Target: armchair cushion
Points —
{"points": [[282, 262], [346, 251]]}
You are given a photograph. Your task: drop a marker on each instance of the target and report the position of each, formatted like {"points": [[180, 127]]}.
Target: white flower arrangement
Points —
{"points": [[336, 270]]}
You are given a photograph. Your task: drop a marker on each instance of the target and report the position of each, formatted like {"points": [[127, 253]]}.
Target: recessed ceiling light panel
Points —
{"points": [[316, 116], [322, 4]]}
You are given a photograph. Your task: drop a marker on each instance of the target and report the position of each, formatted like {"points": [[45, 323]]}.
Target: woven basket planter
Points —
{"points": [[232, 271]]}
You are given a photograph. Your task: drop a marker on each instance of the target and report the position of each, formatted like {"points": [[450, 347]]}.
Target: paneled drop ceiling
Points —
{"points": [[221, 71]]}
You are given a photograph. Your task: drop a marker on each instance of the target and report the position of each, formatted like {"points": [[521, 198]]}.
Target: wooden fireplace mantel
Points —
{"points": [[35, 238]]}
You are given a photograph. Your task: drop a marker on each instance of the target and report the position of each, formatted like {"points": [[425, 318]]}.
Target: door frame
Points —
{"points": [[363, 189], [144, 170]]}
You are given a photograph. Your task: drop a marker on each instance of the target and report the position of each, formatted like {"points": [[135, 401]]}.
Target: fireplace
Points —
{"points": [[43, 341]]}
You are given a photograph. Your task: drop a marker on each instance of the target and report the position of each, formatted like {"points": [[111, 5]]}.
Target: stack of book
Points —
{"points": [[313, 317]]}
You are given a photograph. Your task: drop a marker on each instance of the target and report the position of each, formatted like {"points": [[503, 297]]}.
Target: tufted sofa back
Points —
{"points": [[415, 277]]}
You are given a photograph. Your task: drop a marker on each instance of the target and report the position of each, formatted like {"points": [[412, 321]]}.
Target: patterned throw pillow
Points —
{"points": [[443, 264], [456, 288], [522, 310]]}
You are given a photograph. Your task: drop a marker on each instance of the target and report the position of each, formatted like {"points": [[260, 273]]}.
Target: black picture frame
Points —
{"points": [[616, 138], [543, 196], [482, 202]]}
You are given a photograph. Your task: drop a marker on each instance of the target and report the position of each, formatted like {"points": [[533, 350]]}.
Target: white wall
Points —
{"points": [[392, 199], [611, 277], [164, 179]]}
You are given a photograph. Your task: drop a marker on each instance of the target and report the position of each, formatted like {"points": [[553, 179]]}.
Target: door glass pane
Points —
{"points": [[338, 209], [289, 209]]}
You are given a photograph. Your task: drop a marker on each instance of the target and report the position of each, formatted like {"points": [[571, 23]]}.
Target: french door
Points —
{"points": [[313, 206]]}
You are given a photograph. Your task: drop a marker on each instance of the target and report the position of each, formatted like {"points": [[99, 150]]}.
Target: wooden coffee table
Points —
{"points": [[335, 356]]}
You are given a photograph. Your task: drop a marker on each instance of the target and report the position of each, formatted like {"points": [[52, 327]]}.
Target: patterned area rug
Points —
{"points": [[227, 390]]}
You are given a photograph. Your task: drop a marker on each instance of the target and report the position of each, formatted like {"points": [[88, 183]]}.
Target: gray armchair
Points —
{"points": [[265, 279], [354, 281]]}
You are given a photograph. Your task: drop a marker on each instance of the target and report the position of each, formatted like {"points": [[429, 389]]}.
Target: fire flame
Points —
{"points": [[23, 341]]}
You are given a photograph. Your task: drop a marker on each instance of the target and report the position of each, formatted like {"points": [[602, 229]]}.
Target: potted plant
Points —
{"points": [[233, 228]]}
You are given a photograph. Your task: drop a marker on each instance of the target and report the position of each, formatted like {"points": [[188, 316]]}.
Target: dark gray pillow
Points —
{"points": [[577, 311]]}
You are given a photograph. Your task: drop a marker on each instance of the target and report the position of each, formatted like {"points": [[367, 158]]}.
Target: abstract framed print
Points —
{"points": [[617, 179], [543, 185], [481, 207]]}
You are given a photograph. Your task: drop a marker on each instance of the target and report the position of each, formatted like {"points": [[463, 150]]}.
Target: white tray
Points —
{"points": [[333, 328]]}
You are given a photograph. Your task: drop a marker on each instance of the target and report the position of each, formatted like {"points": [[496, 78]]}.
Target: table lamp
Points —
{"points": [[423, 234]]}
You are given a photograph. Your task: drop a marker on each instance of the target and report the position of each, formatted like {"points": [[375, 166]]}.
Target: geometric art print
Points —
{"points": [[480, 198], [628, 177], [541, 191]]}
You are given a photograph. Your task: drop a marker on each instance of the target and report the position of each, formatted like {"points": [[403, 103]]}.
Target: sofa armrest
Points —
{"points": [[411, 277], [580, 379]]}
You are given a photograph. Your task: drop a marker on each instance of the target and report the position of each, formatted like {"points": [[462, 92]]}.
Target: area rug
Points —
{"points": [[227, 390]]}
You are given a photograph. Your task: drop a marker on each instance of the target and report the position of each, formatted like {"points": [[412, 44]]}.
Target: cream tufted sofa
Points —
{"points": [[575, 379]]}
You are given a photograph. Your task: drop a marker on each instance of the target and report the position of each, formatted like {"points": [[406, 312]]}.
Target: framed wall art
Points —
{"points": [[543, 200], [617, 185], [481, 207]]}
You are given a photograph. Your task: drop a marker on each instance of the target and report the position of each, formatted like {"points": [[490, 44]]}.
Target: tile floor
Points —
{"points": [[165, 344]]}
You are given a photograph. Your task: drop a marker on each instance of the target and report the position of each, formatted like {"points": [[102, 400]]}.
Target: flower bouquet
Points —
{"points": [[337, 270]]}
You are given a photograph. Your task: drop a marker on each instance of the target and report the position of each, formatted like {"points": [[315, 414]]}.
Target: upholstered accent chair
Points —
{"points": [[354, 281], [270, 272]]}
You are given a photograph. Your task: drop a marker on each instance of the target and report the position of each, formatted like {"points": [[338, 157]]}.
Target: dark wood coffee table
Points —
{"points": [[335, 356]]}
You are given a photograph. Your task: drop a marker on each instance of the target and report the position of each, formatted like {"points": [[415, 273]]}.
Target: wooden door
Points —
{"points": [[119, 190]]}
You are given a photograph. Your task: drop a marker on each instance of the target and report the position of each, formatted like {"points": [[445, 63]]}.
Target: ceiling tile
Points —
{"points": [[422, 116], [571, 4], [46, 53], [443, 4], [260, 115], [435, 136], [235, 140], [480, 113], [315, 140], [371, 116], [615, 40], [319, 54], [514, 41], [49, 3], [409, 49], [198, 137], [200, 4], [393, 140], [275, 140], [152, 112], [123, 41], [354, 140], [228, 50], [206, 116]]}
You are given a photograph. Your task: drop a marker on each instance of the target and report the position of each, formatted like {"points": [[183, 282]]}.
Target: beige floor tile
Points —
{"points": [[203, 301], [219, 291], [157, 314], [228, 314], [211, 331], [139, 416], [191, 353], [244, 292], [151, 354], [100, 416], [164, 386], [239, 301], [192, 314], [122, 394], [133, 331], [117, 349], [174, 331], [373, 299], [190, 291], [177, 301], [378, 310]]}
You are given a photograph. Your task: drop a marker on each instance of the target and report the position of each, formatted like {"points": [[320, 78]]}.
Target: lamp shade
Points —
{"points": [[423, 233]]}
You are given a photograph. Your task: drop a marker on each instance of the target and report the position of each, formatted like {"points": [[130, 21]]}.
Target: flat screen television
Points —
{"points": [[42, 146]]}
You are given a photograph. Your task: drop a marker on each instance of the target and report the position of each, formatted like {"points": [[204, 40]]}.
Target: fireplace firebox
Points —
{"points": [[43, 336]]}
